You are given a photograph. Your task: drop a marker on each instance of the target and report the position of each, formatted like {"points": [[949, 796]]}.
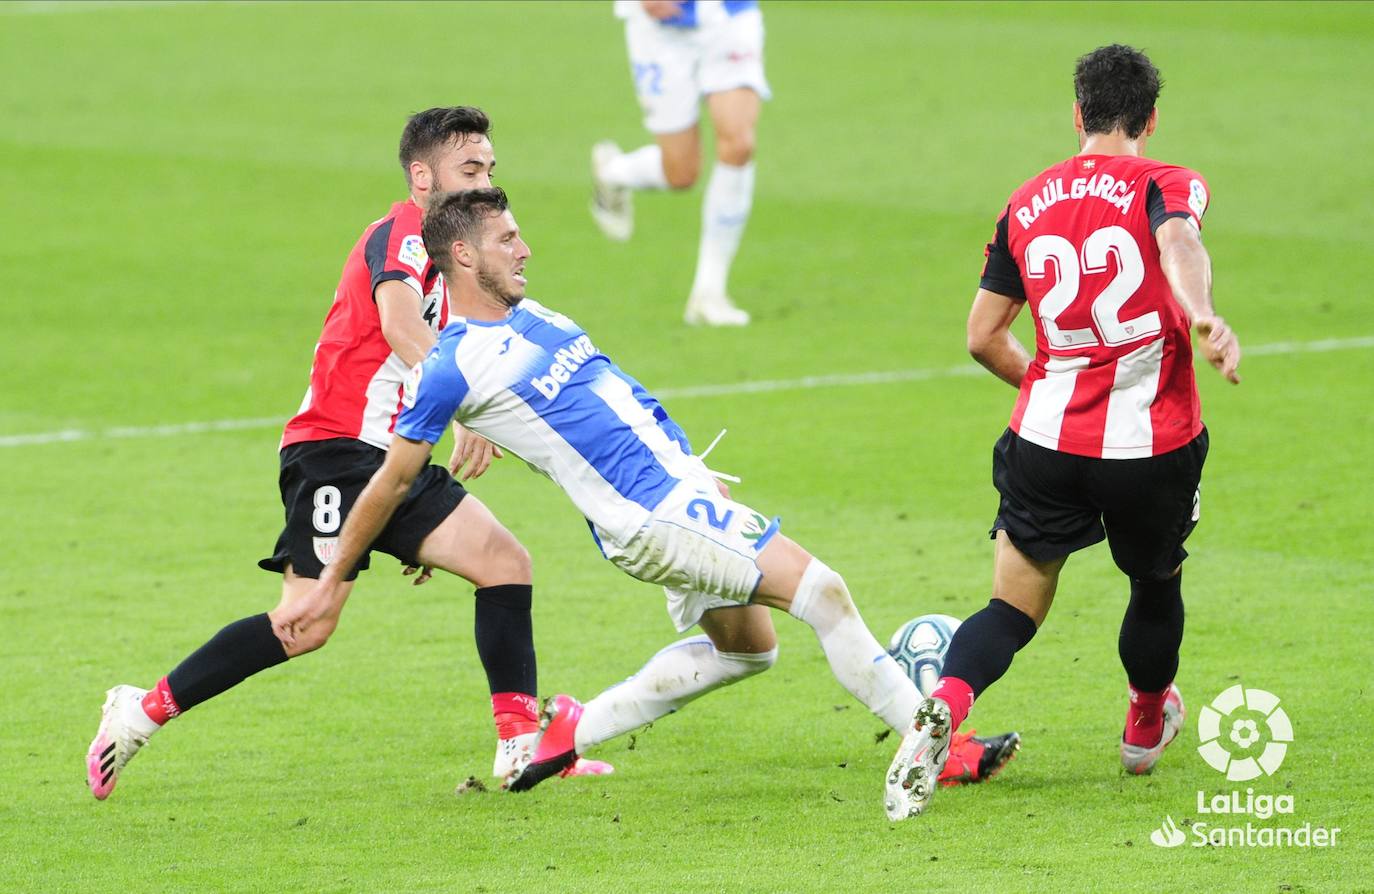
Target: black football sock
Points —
{"points": [[505, 638], [231, 656], [983, 646], [1151, 633]]}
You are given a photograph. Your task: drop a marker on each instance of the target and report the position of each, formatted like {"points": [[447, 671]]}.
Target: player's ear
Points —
{"points": [[421, 179], [1077, 117], [1152, 123], [462, 254]]}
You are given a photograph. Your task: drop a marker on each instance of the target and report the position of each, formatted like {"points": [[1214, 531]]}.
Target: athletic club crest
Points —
{"points": [[326, 548]]}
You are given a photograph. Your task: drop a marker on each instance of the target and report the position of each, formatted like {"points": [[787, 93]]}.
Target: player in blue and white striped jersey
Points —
{"points": [[531, 381]]}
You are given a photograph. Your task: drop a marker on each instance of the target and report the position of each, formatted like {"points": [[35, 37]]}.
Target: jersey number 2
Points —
{"points": [[1098, 248], [697, 506]]}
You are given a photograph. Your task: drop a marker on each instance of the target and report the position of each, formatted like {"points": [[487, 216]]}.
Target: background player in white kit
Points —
{"points": [[681, 51], [531, 381]]}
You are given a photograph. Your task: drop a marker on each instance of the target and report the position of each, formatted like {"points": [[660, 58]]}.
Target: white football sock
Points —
{"points": [[137, 719], [675, 676], [724, 214], [860, 664], [640, 169]]}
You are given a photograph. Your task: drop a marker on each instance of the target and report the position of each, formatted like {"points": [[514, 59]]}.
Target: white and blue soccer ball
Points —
{"points": [[919, 646]]}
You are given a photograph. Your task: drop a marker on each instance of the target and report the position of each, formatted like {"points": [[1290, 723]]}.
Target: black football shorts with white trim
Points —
{"points": [[1056, 503], [321, 480]]}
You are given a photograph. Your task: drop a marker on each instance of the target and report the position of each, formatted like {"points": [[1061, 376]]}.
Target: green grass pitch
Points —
{"points": [[181, 184]]}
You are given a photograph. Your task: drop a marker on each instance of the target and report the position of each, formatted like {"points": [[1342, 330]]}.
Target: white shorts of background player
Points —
{"points": [[674, 68]]}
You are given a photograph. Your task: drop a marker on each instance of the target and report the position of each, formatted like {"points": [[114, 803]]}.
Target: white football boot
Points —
{"points": [[514, 754], [1139, 759], [912, 778], [124, 729], [612, 206], [714, 310]]}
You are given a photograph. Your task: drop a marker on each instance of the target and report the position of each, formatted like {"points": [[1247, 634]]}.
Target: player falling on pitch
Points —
{"points": [[1106, 438], [386, 314], [530, 380]]}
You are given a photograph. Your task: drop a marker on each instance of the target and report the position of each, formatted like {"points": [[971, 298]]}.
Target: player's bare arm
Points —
{"points": [[990, 340], [403, 325], [374, 508], [1188, 268]]}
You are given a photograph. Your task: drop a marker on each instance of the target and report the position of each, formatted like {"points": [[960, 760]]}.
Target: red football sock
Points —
{"points": [[159, 705], [515, 713], [1145, 718], [958, 695]]}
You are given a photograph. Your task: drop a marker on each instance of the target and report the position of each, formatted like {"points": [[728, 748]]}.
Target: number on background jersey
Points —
{"points": [[648, 78], [695, 507], [326, 516], [1106, 307]]}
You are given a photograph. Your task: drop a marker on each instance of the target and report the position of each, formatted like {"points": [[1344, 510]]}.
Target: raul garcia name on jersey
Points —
{"points": [[1099, 186]]}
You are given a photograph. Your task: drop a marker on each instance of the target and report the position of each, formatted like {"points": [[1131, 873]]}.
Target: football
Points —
{"points": [[919, 647]]}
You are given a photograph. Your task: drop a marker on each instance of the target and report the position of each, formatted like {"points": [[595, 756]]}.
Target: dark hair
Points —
{"points": [[1116, 87], [431, 129], [458, 217]]}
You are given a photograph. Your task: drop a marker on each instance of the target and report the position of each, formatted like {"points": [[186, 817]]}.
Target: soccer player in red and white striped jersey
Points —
{"points": [[1106, 439], [385, 316]]}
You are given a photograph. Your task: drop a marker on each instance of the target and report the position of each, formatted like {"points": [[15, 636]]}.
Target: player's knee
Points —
{"points": [[747, 664], [828, 587], [736, 148], [508, 562], [681, 170]]}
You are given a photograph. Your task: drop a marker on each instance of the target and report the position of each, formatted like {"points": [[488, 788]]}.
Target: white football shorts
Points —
{"points": [[701, 547], [674, 67]]}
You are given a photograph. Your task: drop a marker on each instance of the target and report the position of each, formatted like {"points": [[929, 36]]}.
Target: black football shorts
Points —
{"points": [[1056, 503], [320, 481]]}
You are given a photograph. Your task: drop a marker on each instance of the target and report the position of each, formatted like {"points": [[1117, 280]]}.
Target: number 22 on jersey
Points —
{"points": [[1071, 264]]}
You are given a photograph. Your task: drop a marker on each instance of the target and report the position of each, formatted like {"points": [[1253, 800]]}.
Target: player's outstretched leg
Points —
{"points": [[675, 676], [236, 652]]}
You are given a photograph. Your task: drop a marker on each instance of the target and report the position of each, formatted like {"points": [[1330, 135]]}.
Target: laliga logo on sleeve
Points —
{"points": [[412, 384], [1197, 198], [1244, 733]]}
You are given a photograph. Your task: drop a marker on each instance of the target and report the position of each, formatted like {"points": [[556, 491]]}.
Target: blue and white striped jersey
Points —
{"points": [[535, 384]]}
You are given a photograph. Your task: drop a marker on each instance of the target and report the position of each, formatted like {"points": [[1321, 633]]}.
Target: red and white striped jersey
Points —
{"points": [[1113, 370], [355, 381]]}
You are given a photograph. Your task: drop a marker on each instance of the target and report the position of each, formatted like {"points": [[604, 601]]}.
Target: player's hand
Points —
{"points": [[662, 9], [471, 450], [292, 617], [1220, 346], [426, 572]]}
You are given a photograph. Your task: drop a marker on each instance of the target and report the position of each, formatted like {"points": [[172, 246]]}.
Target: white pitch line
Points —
{"points": [[804, 383]]}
